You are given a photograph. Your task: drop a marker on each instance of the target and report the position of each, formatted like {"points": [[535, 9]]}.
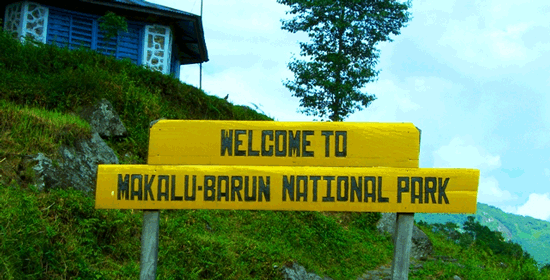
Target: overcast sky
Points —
{"points": [[472, 75]]}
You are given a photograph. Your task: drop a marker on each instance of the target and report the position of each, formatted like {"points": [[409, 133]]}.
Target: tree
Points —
{"points": [[112, 24], [341, 55]]}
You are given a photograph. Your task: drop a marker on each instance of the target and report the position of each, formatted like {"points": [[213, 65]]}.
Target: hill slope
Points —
{"points": [[532, 234], [59, 235]]}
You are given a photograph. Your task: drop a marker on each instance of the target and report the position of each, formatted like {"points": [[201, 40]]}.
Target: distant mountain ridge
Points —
{"points": [[532, 234]]}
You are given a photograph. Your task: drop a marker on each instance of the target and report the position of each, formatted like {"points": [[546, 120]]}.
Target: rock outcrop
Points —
{"points": [[298, 272], [76, 167], [104, 120], [421, 245]]}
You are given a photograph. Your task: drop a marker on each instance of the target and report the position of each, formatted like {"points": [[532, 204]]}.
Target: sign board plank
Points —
{"points": [[272, 143], [287, 188]]}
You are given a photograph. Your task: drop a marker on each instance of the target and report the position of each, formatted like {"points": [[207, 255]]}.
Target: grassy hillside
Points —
{"points": [[59, 235], [532, 234], [62, 81]]}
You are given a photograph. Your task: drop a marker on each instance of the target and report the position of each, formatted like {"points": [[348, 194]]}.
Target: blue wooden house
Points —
{"points": [[160, 37]]}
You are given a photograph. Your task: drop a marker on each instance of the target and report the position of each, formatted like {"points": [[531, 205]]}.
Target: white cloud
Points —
{"points": [[458, 154], [508, 43], [489, 192], [392, 100], [509, 209], [489, 47], [247, 86], [538, 206]]}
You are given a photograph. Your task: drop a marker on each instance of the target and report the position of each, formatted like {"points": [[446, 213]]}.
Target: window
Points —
{"points": [[27, 19], [77, 30], [157, 48]]}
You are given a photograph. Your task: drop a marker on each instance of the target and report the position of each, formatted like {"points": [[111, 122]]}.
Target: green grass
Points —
{"points": [[60, 235], [474, 262], [64, 81], [26, 131]]}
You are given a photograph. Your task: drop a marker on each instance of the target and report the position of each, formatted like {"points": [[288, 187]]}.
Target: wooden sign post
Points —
{"points": [[295, 166]]}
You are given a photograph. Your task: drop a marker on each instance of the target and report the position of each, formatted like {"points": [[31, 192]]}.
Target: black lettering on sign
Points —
{"points": [[381, 198], [239, 142], [249, 196], [306, 143], [280, 143], [209, 188], [250, 151], [356, 189], [442, 187], [166, 191], [339, 181], [147, 188], [329, 197], [221, 194], [315, 179], [293, 143], [236, 187], [427, 188], [298, 192], [327, 135], [123, 186], [416, 181], [264, 188], [372, 181], [265, 151], [193, 188], [430, 191], [138, 192], [227, 142], [280, 134], [174, 197], [341, 137], [288, 187], [340, 142], [400, 188]]}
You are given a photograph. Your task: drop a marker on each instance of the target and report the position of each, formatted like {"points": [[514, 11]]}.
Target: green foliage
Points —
{"points": [[64, 81], [112, 24], [25, 131], [342, 54], [545, 271], [474, 260], [60, 235], [533, 235], [500, 259]]}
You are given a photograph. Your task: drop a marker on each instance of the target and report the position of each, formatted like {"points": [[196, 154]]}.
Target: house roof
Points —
{"points": [[151, 5], [141, 4]]}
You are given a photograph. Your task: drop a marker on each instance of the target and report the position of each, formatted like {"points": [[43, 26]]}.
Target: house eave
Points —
{"points": [[147, 10]]}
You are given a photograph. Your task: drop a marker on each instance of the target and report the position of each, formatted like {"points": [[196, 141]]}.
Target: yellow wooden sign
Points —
{"points": [[287, 188], [284, 143]]}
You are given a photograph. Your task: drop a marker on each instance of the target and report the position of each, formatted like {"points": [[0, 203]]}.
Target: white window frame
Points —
{"points": [[157, 55], [23, 28]]}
